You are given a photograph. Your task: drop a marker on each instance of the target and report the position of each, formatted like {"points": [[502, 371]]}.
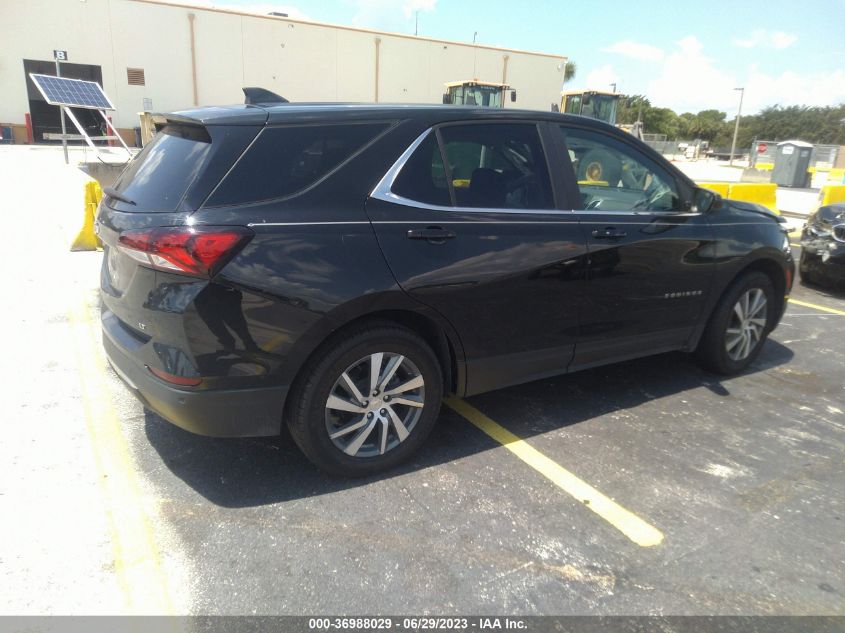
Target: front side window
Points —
{"points": [[285, 160], [612, 176]]}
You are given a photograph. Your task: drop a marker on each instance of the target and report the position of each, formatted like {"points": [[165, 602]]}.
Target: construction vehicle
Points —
{"points": [[598, 105], [591, 103], [477, 93]]}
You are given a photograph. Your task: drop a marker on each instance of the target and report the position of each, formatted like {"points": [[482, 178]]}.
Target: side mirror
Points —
{"points": [[705, 201], [447, 98], [513, 95]]}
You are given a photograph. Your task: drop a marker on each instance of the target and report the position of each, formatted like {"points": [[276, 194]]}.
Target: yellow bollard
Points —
{"points": [[764, 193], [831, 194], [87, 240]]}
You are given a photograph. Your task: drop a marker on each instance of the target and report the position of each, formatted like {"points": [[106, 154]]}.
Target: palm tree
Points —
{"points": [[569, 71]]}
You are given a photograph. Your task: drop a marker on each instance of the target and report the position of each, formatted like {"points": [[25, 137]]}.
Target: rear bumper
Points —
{"points": [[213, 412]]}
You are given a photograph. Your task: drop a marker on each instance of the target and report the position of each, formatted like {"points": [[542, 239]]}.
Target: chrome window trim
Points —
{"points": [[382, 190]]}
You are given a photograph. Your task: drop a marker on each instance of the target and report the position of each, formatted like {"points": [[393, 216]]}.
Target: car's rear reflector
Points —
{"points": [[193, 250], [182, 381]]}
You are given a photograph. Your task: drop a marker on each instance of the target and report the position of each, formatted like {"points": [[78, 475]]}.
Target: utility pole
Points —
{"points": [[59, 55], [474, 53], [736, 127], [416, 22], [614, 87]]}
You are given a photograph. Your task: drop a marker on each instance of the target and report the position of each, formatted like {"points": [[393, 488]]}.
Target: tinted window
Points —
{"points": [[497, 165], [423, 177], [612, 176], [158, 177], [286, 160]]}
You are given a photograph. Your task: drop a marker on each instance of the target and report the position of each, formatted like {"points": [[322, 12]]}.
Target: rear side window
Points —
{"points": [[158, 177], [285, 160], [423, 177], [494, 166], [497, 165]]}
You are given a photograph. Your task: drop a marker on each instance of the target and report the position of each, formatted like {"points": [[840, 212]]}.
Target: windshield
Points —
{"points": [[487, 96], [601, 107]]}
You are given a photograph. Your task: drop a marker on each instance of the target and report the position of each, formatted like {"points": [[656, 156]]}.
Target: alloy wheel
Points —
{"points": [[375, 404], [747, 324]]}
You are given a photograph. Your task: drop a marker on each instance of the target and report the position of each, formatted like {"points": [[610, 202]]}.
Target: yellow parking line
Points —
{"points": [[626, 522], [136, 557], [816, 307]]}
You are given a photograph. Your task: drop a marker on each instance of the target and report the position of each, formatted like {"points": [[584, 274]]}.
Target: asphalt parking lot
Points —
{"points": [[648, 487]]}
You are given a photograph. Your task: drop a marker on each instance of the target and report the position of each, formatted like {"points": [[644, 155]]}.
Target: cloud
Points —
{"points": [[389, 15], [766, 39], [423, 6], [689, 81], [601, 78], [636, 50], [261, 8]]}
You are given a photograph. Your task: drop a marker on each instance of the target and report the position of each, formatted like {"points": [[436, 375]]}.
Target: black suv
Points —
{"points": [[341, 267]]}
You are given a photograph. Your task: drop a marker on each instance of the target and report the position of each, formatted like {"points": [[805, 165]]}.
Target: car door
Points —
{"points": [[648, 276], [479, 238]]}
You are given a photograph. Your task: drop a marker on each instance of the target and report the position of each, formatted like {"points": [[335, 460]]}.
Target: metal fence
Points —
{"points": [[824, 156], [763, 154]]}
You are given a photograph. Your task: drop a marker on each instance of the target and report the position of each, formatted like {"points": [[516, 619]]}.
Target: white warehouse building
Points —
{"points": [[161, 56]]}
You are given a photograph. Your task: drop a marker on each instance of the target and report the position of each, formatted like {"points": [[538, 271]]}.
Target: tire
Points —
{"points": [[600, 165], [730, 344], [807, 276], [355, 440]]}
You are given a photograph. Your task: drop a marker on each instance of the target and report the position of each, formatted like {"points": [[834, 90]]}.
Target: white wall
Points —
{"points": [[300, 60]]}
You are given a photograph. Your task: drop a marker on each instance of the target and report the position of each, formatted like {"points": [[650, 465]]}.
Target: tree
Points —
{"points": [[569, 70], [655, 120], [814, 124], [708, 125]]}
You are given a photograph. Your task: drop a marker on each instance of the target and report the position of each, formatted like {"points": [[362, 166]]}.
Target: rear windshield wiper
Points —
{"points": [[111, 193]]}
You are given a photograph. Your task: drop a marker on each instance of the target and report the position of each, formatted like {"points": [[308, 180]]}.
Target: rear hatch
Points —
{"points": [[150, 204]]}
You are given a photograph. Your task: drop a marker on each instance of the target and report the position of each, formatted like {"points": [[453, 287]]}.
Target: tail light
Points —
{"points": [[193, 250], [182, 381]]}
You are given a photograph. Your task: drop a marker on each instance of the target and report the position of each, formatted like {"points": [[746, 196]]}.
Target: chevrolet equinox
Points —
{"points": [[339, 268]]}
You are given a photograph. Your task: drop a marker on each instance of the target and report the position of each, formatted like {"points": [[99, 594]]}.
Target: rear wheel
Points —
{"points": [[367, 402], [739, 325]]}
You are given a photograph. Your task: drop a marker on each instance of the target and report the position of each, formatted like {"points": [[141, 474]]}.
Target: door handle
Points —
{"points": [[435, 234], [608, 233]]}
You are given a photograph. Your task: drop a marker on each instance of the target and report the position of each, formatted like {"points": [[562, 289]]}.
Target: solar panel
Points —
{"points": [[76, 93]]}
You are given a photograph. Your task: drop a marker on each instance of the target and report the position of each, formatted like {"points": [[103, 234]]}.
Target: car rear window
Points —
{"points": [[158, 177], [285, 160]]}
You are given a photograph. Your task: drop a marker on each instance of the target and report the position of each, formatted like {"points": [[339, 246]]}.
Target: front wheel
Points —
{"points": [[367, 401], [739, 325], [807, 276]]}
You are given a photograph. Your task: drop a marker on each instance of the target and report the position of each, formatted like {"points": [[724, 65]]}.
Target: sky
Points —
{"points": [[688, 56]]}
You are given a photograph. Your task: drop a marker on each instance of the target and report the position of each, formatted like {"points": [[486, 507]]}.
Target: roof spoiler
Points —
{"points": [[262, 96]]}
